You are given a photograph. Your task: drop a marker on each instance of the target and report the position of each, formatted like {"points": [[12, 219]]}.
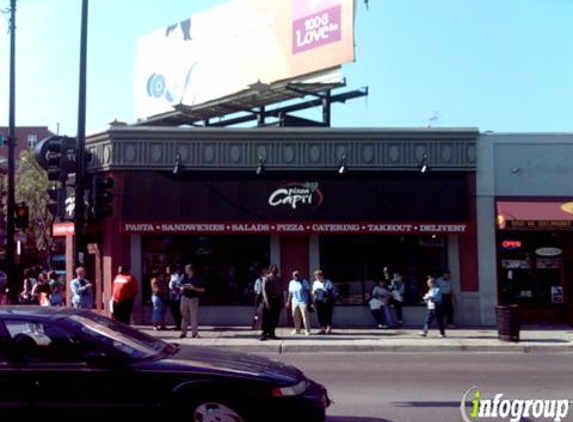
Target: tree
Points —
{"points": [[31, 187]]}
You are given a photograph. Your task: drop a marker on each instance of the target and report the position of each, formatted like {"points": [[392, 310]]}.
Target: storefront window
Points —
{"points": [[356, 263], [229, 265], [531, 268]]}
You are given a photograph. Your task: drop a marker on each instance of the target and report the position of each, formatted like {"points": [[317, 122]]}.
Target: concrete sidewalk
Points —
{"points": [[349, 340]]}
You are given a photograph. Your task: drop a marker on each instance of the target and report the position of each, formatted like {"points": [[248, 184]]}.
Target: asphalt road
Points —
{"points": [[406, 387]]}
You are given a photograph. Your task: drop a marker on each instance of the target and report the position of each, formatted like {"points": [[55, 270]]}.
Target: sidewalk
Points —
{"points": [[533, 339]]}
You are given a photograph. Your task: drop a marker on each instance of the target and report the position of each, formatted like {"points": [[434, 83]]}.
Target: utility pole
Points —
{"points": [[10, 206], [81, 143]]}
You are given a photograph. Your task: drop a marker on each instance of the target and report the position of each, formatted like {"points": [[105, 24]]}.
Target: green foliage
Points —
{"points": [[31, 186]]}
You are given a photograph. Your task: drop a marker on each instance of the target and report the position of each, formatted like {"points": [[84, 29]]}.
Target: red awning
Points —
{"points": [[535, 214]]}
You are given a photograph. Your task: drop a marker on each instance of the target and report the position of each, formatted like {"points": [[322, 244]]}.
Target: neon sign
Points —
{"points": [[511, 244]]}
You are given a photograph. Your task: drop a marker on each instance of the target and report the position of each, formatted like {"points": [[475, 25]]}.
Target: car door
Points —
{"points": [[13, 386], [55, 372], [73, 376]]}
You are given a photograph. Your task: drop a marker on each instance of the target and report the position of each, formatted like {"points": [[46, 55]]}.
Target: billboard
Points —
{"points": [[224, 50]]}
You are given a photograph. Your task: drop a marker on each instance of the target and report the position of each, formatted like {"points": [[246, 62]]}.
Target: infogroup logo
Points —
{"points": [[474, 407]]}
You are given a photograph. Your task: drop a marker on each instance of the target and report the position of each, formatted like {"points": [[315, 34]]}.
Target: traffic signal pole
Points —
{"points": [[13, 282], [79, 247]]}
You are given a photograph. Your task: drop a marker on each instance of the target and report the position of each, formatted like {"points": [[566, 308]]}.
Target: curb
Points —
{"points": [[370, 341], [286, 348]]}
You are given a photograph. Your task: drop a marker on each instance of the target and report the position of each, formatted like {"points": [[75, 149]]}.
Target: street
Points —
{"points": [[411, 387]]}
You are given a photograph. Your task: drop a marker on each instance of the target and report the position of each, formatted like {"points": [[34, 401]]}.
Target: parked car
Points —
{"points": [[73, 363]]}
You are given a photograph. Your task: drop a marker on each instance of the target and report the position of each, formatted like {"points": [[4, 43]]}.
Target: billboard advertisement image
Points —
{"points": [[222, 51]]}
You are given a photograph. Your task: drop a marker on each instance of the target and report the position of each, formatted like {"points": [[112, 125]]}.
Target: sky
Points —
{"points": [[498, 65]]}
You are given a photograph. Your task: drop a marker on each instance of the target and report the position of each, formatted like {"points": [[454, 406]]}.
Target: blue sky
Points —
{"points": [[501, 65]]}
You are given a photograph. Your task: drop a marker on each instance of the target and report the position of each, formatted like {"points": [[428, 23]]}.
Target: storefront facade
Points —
{"points": [[524, 190], [194, 195]]}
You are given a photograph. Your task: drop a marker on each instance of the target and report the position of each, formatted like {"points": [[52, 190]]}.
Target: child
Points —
{"points": [[433, 300]]}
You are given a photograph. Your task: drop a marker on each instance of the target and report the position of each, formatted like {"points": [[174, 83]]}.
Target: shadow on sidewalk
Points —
{"points": [[255, 336], [354, 419], [426, 403], [231, 329]]}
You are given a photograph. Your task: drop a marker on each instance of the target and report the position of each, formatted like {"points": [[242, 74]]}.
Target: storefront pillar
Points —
{"points": [[136, 264], [314, 255], [487, 265], [275, 250]]}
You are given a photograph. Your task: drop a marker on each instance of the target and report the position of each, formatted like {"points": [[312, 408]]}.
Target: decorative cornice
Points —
{"points": [[305, 149]]}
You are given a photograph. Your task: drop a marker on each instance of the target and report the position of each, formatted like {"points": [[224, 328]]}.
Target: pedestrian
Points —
{"points": [[174, 276], [26, 297], [125, 289], [82, 290], [57, 289], [3, 288], [41, 291], [258, 299], [397, 289], [325, 295], [433, 300], [380, 305], [299, 302], [191, 287], [159, 296], [445, 285], [272, 303]]}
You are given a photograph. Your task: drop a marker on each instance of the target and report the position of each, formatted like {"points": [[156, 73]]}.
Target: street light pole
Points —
{"points": [[81, 143], [10, 206]]}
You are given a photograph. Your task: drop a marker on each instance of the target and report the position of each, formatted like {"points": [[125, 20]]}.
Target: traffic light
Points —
{"points": [[101, 197], [22, 219], [57, 204], [57, 155]]}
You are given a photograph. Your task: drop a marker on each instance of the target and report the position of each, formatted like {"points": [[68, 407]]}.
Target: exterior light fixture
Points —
{"points": [[177, 167], [261, 167], [342, 164], [424, 164]]}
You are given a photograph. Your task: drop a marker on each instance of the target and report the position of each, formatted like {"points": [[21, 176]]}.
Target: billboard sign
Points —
{"points": [[222, 51]]}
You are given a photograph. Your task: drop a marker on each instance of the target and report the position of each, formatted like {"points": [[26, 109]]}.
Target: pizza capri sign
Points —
{"points": [[296, 195]]}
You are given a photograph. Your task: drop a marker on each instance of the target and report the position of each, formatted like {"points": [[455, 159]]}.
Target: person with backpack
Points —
{"points": [[397, 289], [433, 300]]}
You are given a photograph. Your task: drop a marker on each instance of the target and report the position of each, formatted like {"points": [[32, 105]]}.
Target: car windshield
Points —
{"points": [[126, 340]]}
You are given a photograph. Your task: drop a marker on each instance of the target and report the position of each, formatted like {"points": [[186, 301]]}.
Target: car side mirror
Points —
{"points": [[98, 359]]}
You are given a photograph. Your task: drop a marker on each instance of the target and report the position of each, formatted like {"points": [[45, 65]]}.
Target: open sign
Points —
{"points": [[511, 244]]}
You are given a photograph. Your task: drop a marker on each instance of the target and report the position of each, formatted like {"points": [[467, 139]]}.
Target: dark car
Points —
{"points": [[70, 363]]}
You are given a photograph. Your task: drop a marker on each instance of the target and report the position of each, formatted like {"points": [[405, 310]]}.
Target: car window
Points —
{"points": [[123, 339], [33, 341]]}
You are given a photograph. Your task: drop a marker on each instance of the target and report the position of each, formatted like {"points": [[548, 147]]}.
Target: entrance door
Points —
{"points": [[294, 256]]}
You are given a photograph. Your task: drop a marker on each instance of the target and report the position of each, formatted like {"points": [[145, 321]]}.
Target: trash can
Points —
{"points": [[508, 322]]}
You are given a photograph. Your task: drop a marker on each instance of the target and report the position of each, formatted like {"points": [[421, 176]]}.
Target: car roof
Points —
{"points": [[40, 312]]}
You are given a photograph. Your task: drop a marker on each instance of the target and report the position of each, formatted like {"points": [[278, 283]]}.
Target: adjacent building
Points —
{"points": [[525, 225]]}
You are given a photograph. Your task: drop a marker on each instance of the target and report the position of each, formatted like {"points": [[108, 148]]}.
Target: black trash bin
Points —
{"points": [[508, 322]]}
